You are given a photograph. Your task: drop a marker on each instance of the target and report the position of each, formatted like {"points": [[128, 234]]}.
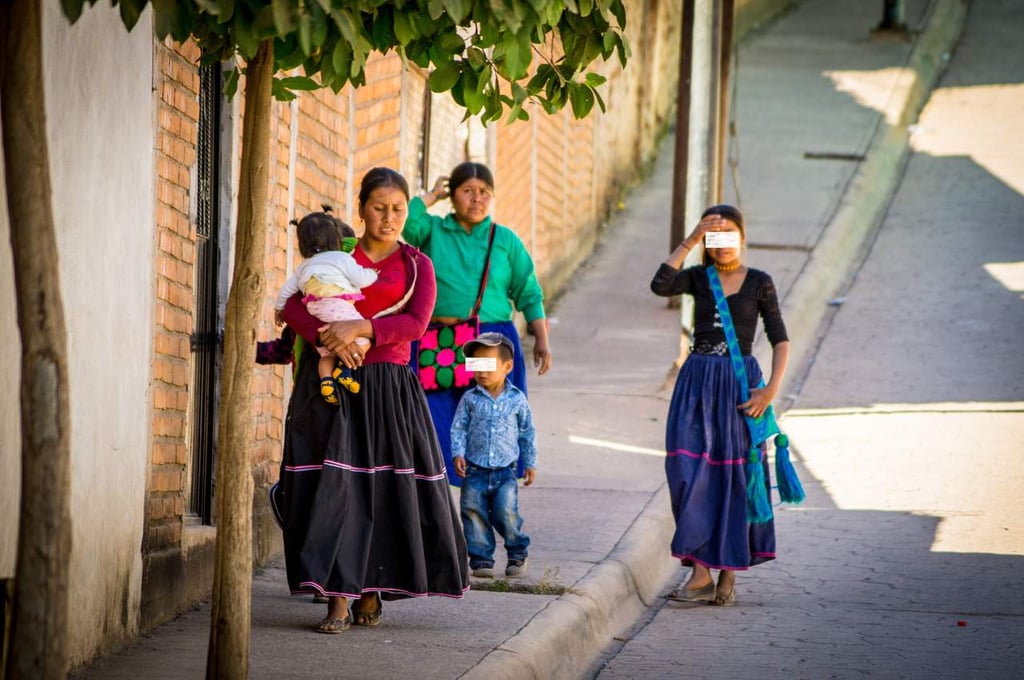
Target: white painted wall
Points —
{"points": [[101, 130]]}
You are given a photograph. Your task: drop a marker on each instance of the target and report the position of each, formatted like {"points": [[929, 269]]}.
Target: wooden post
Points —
{"points": [[39, 626], [725, 76], [231, 612], [677, 228]]}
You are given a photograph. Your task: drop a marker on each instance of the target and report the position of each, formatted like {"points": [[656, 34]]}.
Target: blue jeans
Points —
{"points": [[489, 503]]}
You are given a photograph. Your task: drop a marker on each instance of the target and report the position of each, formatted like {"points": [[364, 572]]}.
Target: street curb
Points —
{"points": [[566, 637], [862, 207]]}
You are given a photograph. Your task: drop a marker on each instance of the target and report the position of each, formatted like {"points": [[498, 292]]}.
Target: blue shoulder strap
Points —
{"points": [[759, 508], [761, 428], [730, 332], [765, 425]]}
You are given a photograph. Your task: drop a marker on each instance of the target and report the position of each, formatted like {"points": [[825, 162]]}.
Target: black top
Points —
{"points": [[756, 297]]}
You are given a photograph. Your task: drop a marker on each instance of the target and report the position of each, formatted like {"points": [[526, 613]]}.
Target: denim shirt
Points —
{"points": [[494, 433]]}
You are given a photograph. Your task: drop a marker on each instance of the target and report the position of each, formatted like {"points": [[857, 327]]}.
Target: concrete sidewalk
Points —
{"points": [[814, 81]]}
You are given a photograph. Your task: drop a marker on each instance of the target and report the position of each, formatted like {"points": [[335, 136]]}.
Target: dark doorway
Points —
{"points": [[207, 336]]}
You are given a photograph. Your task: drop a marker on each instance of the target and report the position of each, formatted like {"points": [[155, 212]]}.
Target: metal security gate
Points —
{"points": [[207, 339]]}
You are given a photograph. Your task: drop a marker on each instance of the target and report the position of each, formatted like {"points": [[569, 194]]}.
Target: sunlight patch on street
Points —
{"points": [[875, 89], [1009, 274], [988, 147], [963, 466], [614, 446]]}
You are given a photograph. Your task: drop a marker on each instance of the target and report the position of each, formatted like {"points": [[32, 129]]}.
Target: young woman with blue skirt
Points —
{"points": [[458, 245], [707, 441]]}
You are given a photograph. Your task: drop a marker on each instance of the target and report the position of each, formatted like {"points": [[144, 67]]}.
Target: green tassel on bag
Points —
{"points": [[790, 488], [759, 506]]}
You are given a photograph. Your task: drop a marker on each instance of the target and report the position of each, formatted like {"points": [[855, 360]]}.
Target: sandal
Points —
{"points": [[332, 626], [725, 599], [369, 618], [704, 594]]}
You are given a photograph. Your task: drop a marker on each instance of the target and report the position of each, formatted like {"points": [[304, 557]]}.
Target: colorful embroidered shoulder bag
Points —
{"points": [[442, 364]]}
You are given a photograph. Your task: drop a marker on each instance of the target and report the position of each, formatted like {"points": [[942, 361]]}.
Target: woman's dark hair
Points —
{"points": [[377, 178], [467, 171], [730, 213], [320, 231]]}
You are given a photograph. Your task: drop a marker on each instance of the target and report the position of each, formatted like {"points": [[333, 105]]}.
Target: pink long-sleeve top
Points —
{"points": [[405, 272]]}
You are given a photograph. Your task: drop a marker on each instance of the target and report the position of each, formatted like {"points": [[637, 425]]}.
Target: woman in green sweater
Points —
{"points": [[457, 244]]}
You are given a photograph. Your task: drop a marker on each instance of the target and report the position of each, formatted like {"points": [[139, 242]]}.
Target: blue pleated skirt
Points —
{"points": [[706, 444], [443, 403]]}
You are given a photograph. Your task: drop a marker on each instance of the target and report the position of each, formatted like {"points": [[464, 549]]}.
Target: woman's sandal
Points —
{"points": [[368, 618], [705, 594], [725, 599], [332, 626]]}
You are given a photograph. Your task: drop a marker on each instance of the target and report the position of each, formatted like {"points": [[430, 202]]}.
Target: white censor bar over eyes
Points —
{"points": [[481, 364], [722, 239]]}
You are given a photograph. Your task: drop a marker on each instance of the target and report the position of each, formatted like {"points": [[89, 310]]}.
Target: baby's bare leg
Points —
{"points": [[325, 367]]}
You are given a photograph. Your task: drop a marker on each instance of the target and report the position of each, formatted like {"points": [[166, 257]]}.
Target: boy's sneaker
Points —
{"points": [[516, 568], [484, 571]]}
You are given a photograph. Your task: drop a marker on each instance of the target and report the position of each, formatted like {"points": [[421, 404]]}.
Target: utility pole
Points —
{"points": [[700, 139], [677, 228], [724, 88]]}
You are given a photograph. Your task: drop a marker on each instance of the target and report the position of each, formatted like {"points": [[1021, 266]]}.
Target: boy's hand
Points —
{"points": [[460, 465], [279, 317], [529, 476]]}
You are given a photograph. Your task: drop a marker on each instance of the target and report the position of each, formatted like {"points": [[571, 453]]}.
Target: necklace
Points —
{"points": [[726, 268]]}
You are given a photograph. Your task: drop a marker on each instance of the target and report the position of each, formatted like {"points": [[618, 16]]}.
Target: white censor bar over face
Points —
{"points": [[722, 239], [481, 364]]}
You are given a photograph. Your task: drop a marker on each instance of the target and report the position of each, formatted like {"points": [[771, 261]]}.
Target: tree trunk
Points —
{"points": [[228, 654], [38, 635]]}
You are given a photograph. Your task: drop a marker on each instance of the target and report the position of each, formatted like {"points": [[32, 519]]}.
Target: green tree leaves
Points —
{"points": [[493, 56]]}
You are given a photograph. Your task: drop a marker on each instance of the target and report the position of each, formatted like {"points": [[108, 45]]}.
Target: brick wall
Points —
{"points": [[378, 123], [177, 116], [556, 181]]}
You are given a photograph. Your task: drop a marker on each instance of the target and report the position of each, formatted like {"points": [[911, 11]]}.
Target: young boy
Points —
{"points": [[493, 428]]}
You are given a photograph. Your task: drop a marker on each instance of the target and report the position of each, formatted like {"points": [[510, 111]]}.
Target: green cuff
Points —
{"points": [[534, 312]]}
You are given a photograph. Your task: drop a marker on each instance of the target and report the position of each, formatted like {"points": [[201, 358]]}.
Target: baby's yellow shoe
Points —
{"points": [[328, 390], [343, 376]]}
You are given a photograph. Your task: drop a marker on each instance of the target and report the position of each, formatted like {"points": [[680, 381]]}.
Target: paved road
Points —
{"points": [[905, 560]]}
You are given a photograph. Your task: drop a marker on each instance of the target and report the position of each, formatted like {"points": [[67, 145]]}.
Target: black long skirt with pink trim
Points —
{"points": [[365, 498]]}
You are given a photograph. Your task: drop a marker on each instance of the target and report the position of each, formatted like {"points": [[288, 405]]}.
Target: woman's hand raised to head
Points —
{"points": [[696, 237], [438, 192], [440, 188], [706, 224]]}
